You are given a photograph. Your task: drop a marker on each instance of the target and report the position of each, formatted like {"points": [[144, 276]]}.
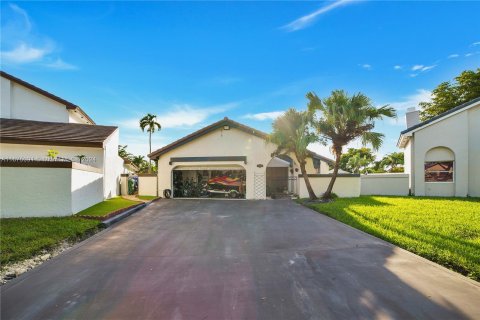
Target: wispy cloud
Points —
{"points": [[21, 44], [264, 115], [421, 95], [182, 115], [366, 66], [308, 19], [454, 55], [397, 67], [472, 54], [419, 68], [476, 44]]}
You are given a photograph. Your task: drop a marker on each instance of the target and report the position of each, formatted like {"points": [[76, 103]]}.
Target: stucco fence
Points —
{"points": [[147, 184], [346, 185], [48, 188], [385, 184]]}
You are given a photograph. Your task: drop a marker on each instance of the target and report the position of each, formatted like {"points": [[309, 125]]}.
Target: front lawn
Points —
{"points": [[444, 230], [147, 198], [22, 238], [104, 208]]}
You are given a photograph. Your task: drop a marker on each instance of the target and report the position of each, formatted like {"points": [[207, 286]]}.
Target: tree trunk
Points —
{"points": [[338, 155], [311, 194], [150, 144]]}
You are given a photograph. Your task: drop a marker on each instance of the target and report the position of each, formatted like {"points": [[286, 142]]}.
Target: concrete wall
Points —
{"points": [[344, 187], [86, 189], [147, 185], [393, 184], [45, 192], [458, 133]]}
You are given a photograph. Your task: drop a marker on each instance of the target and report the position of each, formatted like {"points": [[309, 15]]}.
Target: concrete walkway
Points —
{"points": [[207, 259]]}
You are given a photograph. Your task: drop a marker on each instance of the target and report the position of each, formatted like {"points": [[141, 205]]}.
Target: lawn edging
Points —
{"points": [[121, 214]]}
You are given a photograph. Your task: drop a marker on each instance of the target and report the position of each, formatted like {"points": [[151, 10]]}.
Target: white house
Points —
{"points": [[230, 159], [442, 155], [34, 121]]}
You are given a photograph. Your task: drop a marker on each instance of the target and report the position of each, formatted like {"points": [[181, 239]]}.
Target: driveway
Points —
{"points": [[214, 259]]}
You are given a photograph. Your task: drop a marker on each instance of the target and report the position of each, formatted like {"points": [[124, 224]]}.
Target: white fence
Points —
{"points": [[346, 185], [147, 185], [51, 190], [392, 184]]}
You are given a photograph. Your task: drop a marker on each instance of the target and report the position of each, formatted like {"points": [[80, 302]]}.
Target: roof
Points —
{"points": [[438, 117], [214, 126], [69, 105], [53, 133]]}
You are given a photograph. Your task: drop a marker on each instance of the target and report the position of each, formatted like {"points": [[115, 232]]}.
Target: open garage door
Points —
{"points": [[209, 182]]}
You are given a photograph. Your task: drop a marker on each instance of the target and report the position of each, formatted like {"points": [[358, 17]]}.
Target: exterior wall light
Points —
{"points": [[226, 127], [260, 165]]}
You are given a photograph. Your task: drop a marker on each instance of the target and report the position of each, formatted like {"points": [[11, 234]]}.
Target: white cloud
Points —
{"points": [[421, 95], [24, 53], [476, 44], [454, 55], [59, 64], [397, 67], [264, 115], [421, 68], [181, 115], [472, 54], [21, 44], [366, 66], [308, 19]]}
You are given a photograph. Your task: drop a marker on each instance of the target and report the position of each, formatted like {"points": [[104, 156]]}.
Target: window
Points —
{"points": [[439, 171]]}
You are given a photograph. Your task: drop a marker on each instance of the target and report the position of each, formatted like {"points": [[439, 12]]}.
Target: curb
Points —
{"points": [[108, 222]]}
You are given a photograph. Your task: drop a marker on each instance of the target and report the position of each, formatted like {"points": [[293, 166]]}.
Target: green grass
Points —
{"points": [[105, 207], [22, 238], [444, 230], [148, 198]]}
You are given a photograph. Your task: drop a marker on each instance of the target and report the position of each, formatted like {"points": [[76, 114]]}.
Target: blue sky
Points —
{"points": [[192, 63]]}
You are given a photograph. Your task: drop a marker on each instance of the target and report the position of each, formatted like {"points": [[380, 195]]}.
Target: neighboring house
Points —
{"points": [[33, 121], [442, 155], [230, 159]]}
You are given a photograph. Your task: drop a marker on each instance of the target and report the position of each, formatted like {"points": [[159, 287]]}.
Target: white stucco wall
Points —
{"points": [[393, 184], [35, 192], [147, 185], [86, 189], [113, 166], [5, 94], [456, 133], [344, 187]]}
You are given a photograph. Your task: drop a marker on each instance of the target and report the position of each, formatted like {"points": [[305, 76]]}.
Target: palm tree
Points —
{"points": [[150, 122], [357, 164], [138, 161], [392, 160], [344, 118], [291, 134]]}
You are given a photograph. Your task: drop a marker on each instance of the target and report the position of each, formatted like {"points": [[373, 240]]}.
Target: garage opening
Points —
{"points": [[209, 182]]}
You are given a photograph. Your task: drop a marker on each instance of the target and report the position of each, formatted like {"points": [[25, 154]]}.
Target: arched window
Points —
{"points": [[439, 165]]}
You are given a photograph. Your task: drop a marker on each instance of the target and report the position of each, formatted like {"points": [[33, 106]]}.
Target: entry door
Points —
{"points": [[277, 180]]}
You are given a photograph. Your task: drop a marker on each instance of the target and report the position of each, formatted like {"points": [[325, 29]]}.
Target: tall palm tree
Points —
{"points": [[291, 134], [342, 119], [150, 123]]}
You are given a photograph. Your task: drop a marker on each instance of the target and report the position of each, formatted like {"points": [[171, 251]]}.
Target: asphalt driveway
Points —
{"points": [[201, 259]]}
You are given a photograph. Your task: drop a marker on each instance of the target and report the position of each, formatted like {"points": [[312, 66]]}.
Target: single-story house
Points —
{"points": [[442, 155], [54, 159], [229, 159]]}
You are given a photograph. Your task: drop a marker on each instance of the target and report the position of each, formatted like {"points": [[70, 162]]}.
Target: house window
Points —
{"points": [[439, 171]]}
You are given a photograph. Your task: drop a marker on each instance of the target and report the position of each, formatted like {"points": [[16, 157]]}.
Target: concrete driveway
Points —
{"points": [[201, 259]]}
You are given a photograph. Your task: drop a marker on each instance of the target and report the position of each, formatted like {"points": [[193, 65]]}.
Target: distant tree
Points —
{"points": [[52, 153], [357, 164], [363, 153], [150, 123], [447, 95], [81, 157], [138, 161], [291, 134], [342, 119], [123, 153], [392, 161]]}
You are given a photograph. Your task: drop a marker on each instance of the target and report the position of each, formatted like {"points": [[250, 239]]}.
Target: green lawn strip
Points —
{"points": [[22, 238], [106, 207], [444, 230], [148, 198]]}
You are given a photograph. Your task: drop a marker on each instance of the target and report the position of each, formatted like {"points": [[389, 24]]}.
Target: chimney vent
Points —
{"points": [[412, 116]]}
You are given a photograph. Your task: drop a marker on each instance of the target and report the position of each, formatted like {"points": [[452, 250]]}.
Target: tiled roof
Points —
{"points": [[53, 133]]}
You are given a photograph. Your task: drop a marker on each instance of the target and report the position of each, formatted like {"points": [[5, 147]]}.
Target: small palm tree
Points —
{"points": [[344, 118], [291, 134], [392, 160], [150, 123], [138, 161]]}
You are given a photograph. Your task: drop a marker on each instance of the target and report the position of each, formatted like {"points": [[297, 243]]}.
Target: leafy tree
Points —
{"points": [[342, 119], [138, 161], [447, 95], [123, 153], [150, 123], [291, 134], [52, 154], [392, 161], [364, 153], [357, 164]]}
